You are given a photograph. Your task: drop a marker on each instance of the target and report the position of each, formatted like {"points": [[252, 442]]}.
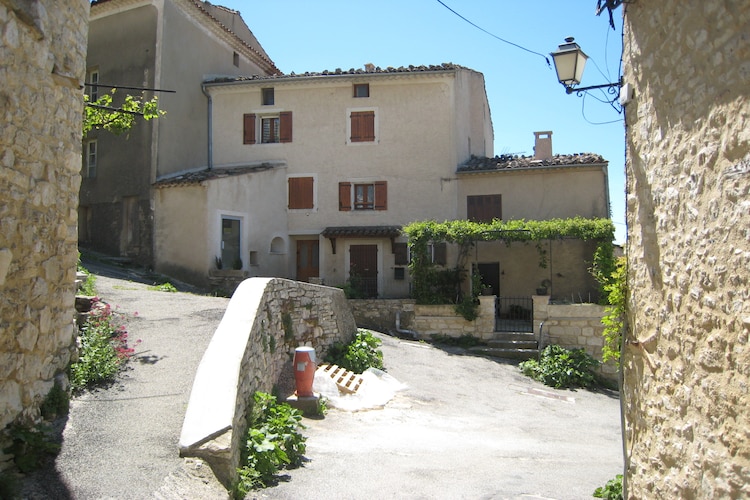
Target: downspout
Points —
{"points": [[210, 127], [411, 333]]}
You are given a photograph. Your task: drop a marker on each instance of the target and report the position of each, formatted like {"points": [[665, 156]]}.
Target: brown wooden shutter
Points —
{"points": [[440, 254], [300, 193], [363, 126], [345, 196], [400, 254], [381, 195], [248, 129], [285, 126]]}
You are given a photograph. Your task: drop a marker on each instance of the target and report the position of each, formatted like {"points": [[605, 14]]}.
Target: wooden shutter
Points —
{"points": [[285, 126], [440, 254], [381, 195], [363, 126], [248, 129], [300, 192], [400, 254], [345, 196], [484, 208]]}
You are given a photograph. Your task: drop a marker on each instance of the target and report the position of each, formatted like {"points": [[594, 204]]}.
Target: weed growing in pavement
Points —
{"points": [[359, 355], [610, 491], [164, 287], [559, 367], [55, 404], [103, 349], [31, 445], [273, 442]]}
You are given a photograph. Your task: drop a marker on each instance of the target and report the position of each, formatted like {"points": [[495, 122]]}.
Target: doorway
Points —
{"points": [[363, 269], [490, 273], [230, 243], [308, 257]]}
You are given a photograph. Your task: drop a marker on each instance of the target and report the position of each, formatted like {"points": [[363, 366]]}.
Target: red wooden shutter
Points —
{"points": [[300, 192], [345, 196], [381, 195], [285, 126], [248, 129]]}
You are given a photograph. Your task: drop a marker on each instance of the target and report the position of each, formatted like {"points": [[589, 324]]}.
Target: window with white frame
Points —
{"points": [[93, 88], [267, 128]]}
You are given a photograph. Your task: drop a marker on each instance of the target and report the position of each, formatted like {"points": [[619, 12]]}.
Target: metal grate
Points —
{"points": [[514, 314]]}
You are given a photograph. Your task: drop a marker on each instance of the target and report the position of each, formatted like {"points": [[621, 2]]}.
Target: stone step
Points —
{"points": [[514, 344], [506, 353]]}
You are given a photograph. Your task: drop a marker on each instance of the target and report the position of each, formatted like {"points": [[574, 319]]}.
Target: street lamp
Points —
{"points": [[570, 61]]}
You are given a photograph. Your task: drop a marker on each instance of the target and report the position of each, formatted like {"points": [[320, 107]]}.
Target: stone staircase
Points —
{"points": [[510, 345]]}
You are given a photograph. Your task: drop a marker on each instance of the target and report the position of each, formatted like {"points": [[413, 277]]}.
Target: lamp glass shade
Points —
{"points": [[569, 63]]}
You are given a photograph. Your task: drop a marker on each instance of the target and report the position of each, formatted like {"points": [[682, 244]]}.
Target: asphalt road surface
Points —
{"points": [[464, 426]]}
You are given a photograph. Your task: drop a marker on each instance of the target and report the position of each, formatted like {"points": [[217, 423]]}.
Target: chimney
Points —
{"points": [[369, 67], [543, 145]]}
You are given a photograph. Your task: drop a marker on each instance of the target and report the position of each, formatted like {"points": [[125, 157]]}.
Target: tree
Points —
{"points": [[101, 115]]}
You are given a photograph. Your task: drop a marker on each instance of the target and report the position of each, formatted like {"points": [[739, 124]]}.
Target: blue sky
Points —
{"points": [[523, 92]]}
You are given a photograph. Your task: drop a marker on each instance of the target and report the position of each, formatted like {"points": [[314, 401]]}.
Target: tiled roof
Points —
{"points": [[362, 231], [208, 175], [351, 72], [512, 162]]}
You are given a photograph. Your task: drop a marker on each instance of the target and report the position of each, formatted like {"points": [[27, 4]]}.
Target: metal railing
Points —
{"points": [[514, 314]]}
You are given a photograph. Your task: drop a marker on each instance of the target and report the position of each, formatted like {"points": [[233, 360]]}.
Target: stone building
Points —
{"points": [[43, 53], [686, 362]]}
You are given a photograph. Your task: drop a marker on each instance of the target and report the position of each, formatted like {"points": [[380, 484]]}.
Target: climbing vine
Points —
{"points": [[465, 234]]}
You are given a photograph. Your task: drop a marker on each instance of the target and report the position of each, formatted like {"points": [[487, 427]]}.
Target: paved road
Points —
{"points": [[465, 426]]}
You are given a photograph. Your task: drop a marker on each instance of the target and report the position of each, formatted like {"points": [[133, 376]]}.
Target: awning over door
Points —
{"points": [[334, 232]]}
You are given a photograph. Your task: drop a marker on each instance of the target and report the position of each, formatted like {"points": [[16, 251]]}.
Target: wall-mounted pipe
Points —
{"points": [[210, 127]]}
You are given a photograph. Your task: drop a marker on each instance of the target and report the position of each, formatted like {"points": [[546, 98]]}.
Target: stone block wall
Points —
{"points": [[42, 49], [442, 320], [380, 314], [252, 350], [573, 326], [686, 364]]}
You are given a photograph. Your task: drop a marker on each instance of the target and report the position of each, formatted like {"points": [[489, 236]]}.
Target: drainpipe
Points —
{"points": [[210, 127], [411, 333]]}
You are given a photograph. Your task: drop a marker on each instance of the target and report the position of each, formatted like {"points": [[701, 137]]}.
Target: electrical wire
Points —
{"points": [[495, 36]]}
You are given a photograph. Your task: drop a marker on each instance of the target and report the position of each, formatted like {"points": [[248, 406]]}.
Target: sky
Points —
{"points": [[523, 92]]}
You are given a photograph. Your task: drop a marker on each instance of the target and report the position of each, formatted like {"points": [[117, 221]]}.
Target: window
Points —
{"points": [[273, 128], [301, 193], [269, 130], [267, 97], [93, 89], [484, 208], [399, 273], [438, 253], [91, 159], [361, 90], [363, 196], [236, 59], [362, 126]]}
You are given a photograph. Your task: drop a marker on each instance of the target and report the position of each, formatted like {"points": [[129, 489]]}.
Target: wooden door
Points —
{"points": [[307, 259], [363, 269]]}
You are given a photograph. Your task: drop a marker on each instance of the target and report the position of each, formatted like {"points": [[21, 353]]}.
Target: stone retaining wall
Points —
{"points": [[380, 314], [252, 350], [432, 320], [42, 49]]}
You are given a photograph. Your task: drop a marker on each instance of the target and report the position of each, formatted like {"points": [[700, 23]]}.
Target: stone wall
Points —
{"points": [[443, 320], [573, 326], [252, 350], [686, 364], [42, 49], [380, 314]]}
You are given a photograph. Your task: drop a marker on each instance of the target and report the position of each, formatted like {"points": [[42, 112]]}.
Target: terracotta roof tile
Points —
{"points": [[513, 162], [362, 231], [200, 176]]}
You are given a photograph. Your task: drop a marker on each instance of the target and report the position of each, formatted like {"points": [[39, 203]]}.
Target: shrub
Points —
{"points": [[56, 403], [610, 491], [31, 446], [273, 442], [103, 348], [559, 367], [359, 355]]}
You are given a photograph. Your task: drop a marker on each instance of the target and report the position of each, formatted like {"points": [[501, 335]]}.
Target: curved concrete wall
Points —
{"points": [[254, 344]]}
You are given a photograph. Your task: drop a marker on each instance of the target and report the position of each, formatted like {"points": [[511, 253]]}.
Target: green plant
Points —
{"points": [[322, 406], [56, 403], [8, 485], [559, 367], [164, 287], [359, 355], [31, 445], [273, 441], [610, 491], [614, 317], [103, 348]]}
